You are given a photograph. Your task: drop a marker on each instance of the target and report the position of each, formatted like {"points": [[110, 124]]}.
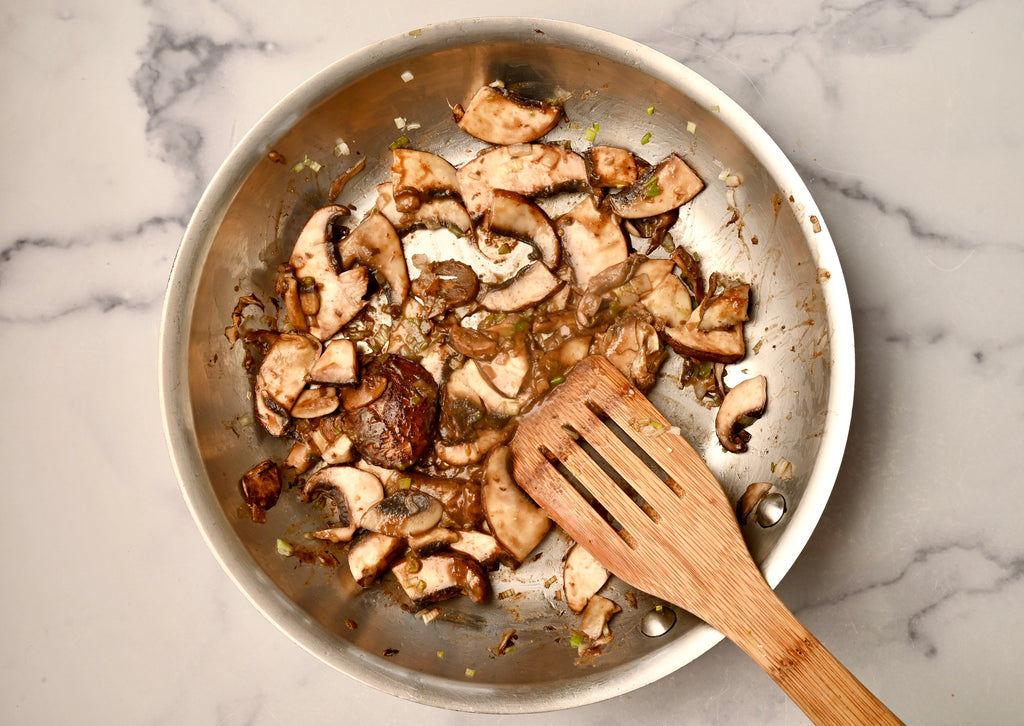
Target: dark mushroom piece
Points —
{"points": [[396, 428], [669, 184], [445, 212], [375, 244], [347, 494], [419, 176], [744, 402], [405, 513], [442, 576], [513, 215], [282, 377], [499, 116], [261, 487]]}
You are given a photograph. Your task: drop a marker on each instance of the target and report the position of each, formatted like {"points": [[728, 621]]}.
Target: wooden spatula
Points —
{"points": [[681, 542]]}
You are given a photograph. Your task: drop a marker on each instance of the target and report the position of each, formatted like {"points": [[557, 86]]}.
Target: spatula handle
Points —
{"points": [[805, 669]]}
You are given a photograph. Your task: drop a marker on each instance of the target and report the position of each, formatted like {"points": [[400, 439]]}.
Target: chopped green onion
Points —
{"points": [[716, 109], [404, 483], [650, 110], [341, 149], [440, 654], [307, 163], [576, 640], [556, 380], [284, 548], [651, 188], [521, 325], [691, 127], [470, 672], [504, 250], [591, 133], [646, 139], [416, 33], [398, 143], [415, 566], [571, 433]]}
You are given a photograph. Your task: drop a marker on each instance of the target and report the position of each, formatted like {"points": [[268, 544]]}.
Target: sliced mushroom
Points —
{"points": [[472, 343], [531, 285], [595, 617], [483, 548], [315, 402], [752, 496], [375, 243], [347, 493], [431, 213], [300, 457], [371, 387], [513, 215], [668, 185], [445, 285], [338, 365], [469, 383], [631, 344], [668, 301], [529, 169], [261, 487], [432, 541], [514, 519], [499, 116], [460, 499], [405, 513], [397, 427], [720, 346], [582, 577], [474, 449], [507, 370], [442, 576], [317, 264], [725, 305], [592, 239], [745, 401], [418, 176], [611, 167], [371, 554], [281, 378]]}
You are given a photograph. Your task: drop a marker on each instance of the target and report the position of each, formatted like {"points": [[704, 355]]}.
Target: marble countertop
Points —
{"points": [[904, 119]]}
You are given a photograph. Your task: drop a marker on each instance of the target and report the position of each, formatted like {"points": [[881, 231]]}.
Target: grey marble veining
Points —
{"points": [[904, 119]]}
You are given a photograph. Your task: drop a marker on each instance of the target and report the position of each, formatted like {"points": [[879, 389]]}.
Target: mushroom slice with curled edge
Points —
{"points": [[611, 167], [531, 285], [281, 377], [261, 487], [752, 496], [528, 169], [418, 176], [483, 548], [432, 541], [474, 449], [719, 346], [499, 116], [472, 343], [514, 519], [405, 513], [338, 365], [430, 214], [668, 301], [444, 285], [631, 344], [582, 577], [460, 499], [375, 243], [442, 576], [592, 239], [741, 404], [347, 494], [470, 383], [513, 215], [371, 554], [507, 370], [669, 184]]}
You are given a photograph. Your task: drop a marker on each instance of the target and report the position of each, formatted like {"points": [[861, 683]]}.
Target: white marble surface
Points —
{"points": [[903, 117]]}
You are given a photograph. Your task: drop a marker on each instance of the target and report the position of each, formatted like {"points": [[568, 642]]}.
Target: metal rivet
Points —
{"points": [[770, 509], [658, 622]]}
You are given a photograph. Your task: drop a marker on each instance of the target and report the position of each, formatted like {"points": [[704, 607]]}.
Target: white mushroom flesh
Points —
{"points": [[498, 116]]}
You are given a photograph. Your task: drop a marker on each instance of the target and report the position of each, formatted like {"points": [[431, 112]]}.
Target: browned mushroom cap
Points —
{"points": [[611, 167], [397, 427], [746, 401], [499, 116], [513, 215], [582, 577], [281, 378], [592, 239], [370, 555], [444, 285], [531, 285], [375, 243], [665, 186], [347, 493], [418, 176], [529, 169], [405, 513], [442, 576], [261, 487], [514, 519]]}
